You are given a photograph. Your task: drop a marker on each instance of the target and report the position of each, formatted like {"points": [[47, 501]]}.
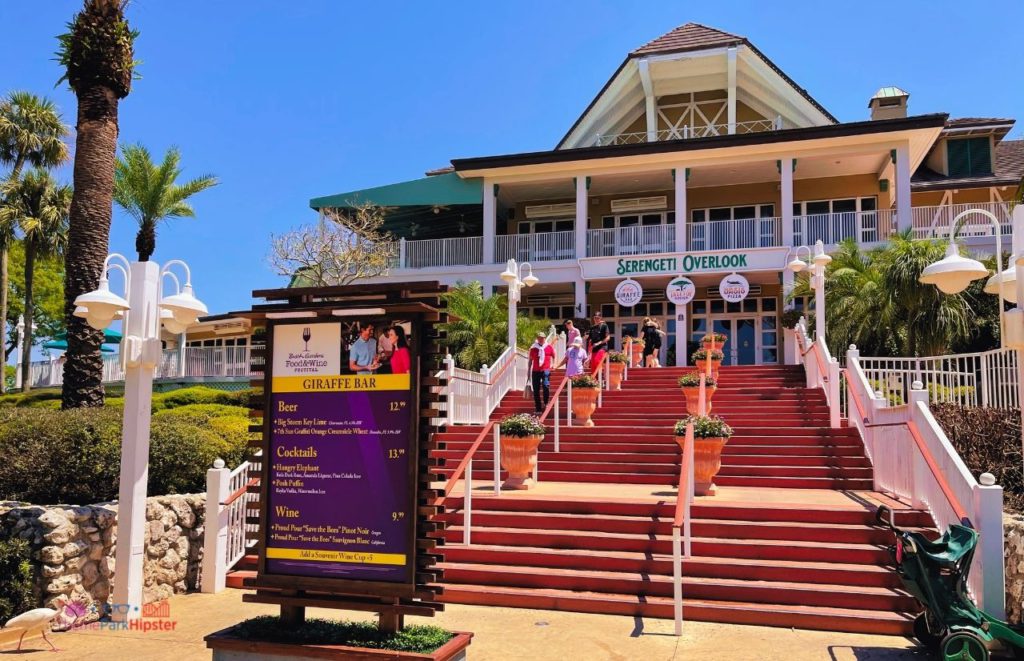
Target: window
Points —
{"points": [[544, 226], [969, 157]]}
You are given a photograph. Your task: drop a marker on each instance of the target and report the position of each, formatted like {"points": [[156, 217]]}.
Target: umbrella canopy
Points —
{"points": [[62, 345], [110, 336]]}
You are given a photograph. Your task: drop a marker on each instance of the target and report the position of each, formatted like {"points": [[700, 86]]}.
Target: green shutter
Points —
{"points": [[969, 157], [981, 157], [958, 158]]}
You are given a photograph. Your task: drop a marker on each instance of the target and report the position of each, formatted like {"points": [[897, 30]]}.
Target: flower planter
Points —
{"points": [[637, 355], [702, 366], [228, 647], [615, 373], [707, 461], [519, 458], [584, 403], [713, 346], [692, 395]]}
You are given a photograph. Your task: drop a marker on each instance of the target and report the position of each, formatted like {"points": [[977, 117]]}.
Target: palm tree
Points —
{"points": [[31, 132], [478, 332], [39, 206], [97, 52], [149, 193]]}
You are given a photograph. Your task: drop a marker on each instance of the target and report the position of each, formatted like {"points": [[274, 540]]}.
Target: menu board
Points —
{"points": [[340, 498]]}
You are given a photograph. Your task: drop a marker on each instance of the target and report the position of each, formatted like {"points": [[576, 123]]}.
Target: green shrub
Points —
{"points": [[30, 398], [692, 380], [201, 413], [707, 426], [418, 638], [180, 454], [584, 381], [194, 395], [616, 357], [520, 425], [15, 579]]}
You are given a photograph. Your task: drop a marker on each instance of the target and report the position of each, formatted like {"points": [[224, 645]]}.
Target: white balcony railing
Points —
{"points": [[734, 234], [687, 132], [459, 251], [931, 222], [541, 247], [192, 362], [637, 240], [865, 227]]}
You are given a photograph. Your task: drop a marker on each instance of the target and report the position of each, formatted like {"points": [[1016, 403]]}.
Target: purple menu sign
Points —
{"points": [[340, 492]]}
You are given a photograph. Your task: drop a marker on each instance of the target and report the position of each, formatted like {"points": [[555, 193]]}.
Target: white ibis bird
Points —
{"points": [[37, 618]]}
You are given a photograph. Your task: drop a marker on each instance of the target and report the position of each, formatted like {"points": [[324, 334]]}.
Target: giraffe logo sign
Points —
{"points": [[734, 288], [628, 293], [681, 290]]}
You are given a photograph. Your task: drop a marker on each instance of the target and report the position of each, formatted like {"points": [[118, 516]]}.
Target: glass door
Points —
{"points": [[741, 348]]}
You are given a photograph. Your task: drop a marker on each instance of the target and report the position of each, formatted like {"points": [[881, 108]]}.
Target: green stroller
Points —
{"points": [[935, 573]]}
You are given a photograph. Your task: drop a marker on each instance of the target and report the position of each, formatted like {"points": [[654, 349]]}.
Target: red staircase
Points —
{"points": [[781, 554]]}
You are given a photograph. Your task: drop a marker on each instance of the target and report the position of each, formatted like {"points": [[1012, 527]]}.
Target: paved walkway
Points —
{"points": [[501, 633]]}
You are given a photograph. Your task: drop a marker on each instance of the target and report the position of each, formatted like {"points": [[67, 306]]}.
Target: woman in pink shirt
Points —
{"points": [[400, 358]]}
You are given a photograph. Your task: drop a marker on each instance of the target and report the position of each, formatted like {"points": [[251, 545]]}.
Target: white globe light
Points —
{"points": [[1008, 278], [185, 307], [953, 273], [101, 306], [796, 265], [509, 274], [99, 322], [530, 280], [822, 258], [171, 324]]}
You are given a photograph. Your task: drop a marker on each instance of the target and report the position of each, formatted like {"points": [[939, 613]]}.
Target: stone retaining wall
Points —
{"points": [[73, 548], [1013, 552]]}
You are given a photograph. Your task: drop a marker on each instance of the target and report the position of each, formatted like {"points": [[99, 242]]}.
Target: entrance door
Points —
{"points": [[741, 349]]}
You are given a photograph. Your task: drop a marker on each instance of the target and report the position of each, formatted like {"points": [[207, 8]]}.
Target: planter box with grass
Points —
{"points": [[266, 638]]}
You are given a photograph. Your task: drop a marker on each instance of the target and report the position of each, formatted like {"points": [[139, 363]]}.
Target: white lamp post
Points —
{"points": [[513, 276], [143, 311], [820, 260], [954, 273], [18, 352]]}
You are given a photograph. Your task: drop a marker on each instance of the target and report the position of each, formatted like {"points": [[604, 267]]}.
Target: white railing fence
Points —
{"points": [[734, 234], [972, 379], [831, 228], [227, 498], [540, 247], [458, 251], [636, 240], [932, 222], [914, 462], [822, 371]]}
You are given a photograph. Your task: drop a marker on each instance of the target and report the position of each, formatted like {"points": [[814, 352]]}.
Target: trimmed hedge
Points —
{"points": [[417, 638], [50, 398], [74, 456], [988, 440]]}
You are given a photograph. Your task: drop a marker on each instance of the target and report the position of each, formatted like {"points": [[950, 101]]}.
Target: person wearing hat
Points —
{"points": [[574, 359], [542, 355], [597, 341]]}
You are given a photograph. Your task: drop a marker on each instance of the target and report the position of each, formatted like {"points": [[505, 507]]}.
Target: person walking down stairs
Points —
{"points": [[542, 355]]}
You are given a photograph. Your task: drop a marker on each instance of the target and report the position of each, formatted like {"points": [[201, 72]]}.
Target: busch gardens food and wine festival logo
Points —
{"points": [[306, 360]]}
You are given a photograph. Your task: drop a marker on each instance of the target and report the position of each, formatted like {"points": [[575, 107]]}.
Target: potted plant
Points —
{"points": [[616, 368], [710, 434], [585, 390], [690, 385], [714, 341], [637, 351], [521, 434], [702, 356]]}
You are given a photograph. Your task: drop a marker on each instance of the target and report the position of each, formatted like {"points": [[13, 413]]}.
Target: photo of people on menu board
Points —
{"points": [[386, 353]]}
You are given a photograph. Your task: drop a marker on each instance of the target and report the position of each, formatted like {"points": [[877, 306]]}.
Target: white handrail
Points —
{"points": [[228, 532]]}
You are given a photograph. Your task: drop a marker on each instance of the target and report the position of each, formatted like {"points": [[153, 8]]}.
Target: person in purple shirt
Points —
{"points": [[574, 359]]}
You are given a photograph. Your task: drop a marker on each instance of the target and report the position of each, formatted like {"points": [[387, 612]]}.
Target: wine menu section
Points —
{"points": [[340, 484]]}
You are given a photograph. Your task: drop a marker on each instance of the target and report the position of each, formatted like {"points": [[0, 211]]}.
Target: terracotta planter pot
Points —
{"points": [[692, 394], [584, 403], [713, 346], [615, 372], [701, 366], [227, 646], [519, 457], [707, 461], [638, 354]]}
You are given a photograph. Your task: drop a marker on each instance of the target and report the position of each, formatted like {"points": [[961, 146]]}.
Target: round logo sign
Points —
{"points": [[628, 292], [681, 290], [734, 288]]}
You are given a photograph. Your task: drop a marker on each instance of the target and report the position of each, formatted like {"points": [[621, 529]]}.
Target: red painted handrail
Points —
{"points": [[855, 397], [933, 466], [450, 484], [241, 490]]}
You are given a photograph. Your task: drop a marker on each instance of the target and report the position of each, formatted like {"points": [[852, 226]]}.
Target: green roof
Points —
{"points": [[443, 189]]}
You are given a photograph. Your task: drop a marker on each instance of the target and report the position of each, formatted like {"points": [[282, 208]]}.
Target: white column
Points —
{"points": [[682, 331], [18, 353], [580, 301], [904, 219], [786, 195], [513, 301], [731, 98], [490, 220], [182, 341], [215, 541], [650, 105], [681, 212], [580, 226], [142, 343], [988, 506]]}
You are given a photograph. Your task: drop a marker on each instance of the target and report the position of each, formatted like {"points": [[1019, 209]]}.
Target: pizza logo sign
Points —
{"points": [[734, 288], [681, 291], [628, 293]]}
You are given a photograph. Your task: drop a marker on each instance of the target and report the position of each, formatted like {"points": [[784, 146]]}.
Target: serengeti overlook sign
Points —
{"points": [[754, 259]]}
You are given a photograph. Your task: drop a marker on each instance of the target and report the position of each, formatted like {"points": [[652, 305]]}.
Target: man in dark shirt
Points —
{"points": [[597, 341]]}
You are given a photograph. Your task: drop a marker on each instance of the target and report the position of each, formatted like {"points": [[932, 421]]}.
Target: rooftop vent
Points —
{"points": [[889, 103]]}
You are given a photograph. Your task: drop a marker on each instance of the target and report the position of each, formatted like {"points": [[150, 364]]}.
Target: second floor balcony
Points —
{"points": [[867, 228]]}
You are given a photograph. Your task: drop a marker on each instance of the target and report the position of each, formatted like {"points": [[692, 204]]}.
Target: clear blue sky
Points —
{"points": [[285, 101]]}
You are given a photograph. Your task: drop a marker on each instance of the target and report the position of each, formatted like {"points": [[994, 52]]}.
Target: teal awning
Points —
{"points": [[441, 190], [62, 345], [110, 336]]}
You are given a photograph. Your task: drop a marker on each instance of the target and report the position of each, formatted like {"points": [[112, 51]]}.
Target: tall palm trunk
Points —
{"points": [[91, 210], [145, 240], [5, 280], [26, 349]]}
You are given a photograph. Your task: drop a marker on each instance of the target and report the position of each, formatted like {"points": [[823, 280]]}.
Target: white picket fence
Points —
{"points": [[988, 378], [174, 363], [228, 536]]}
